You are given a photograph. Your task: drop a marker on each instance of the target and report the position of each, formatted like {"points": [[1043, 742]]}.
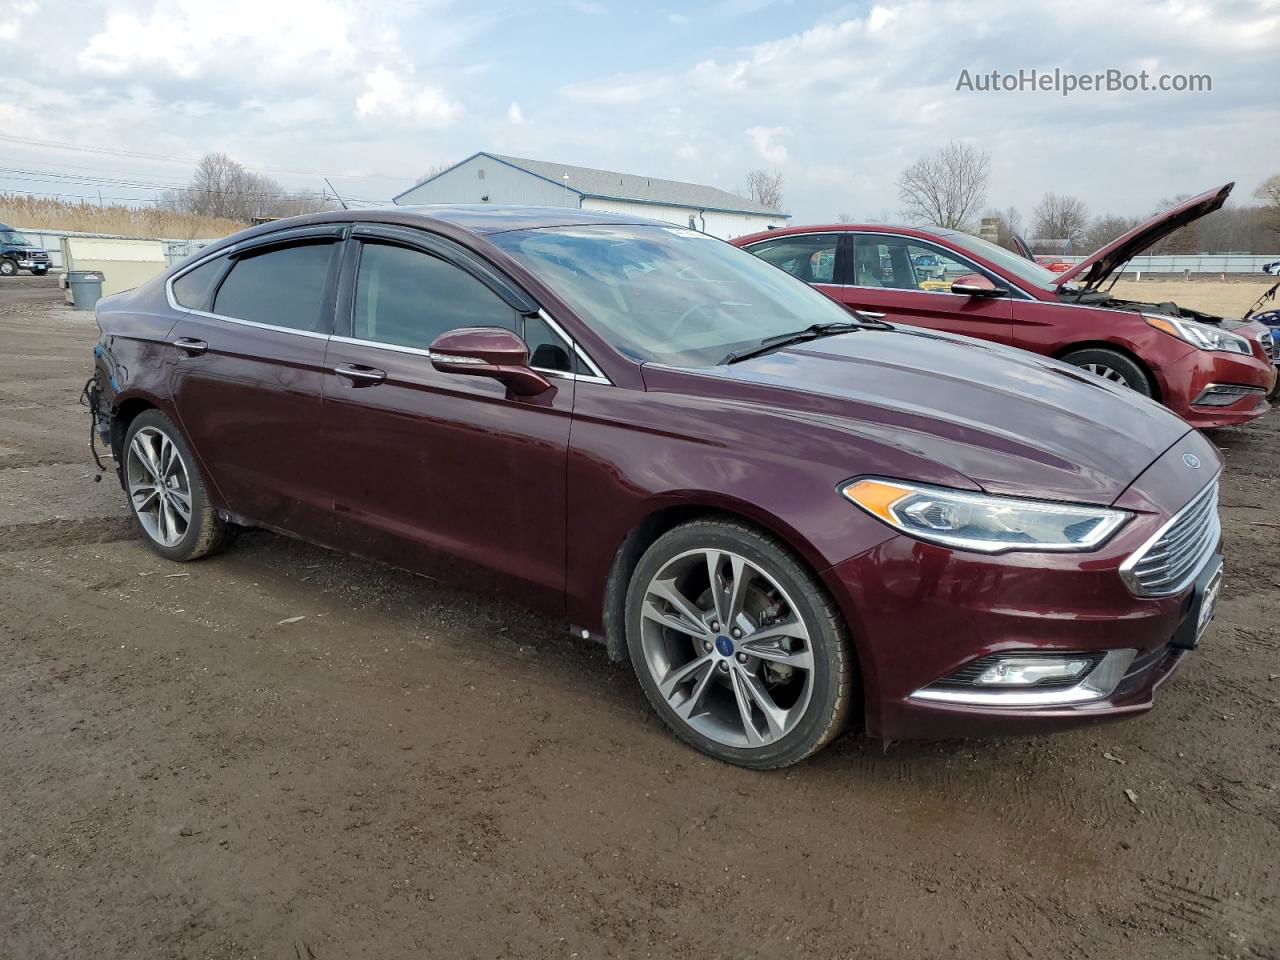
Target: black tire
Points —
{"points": [[8, 268], [206, 533], [39, 271], [1121, 369], [828, 707]]}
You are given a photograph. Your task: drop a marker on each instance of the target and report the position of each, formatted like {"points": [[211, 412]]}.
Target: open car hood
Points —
{"points": [[1022, 248], [1095, 268]]}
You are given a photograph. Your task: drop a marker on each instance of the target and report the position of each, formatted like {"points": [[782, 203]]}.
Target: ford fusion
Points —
{"points": [[787, 517]]}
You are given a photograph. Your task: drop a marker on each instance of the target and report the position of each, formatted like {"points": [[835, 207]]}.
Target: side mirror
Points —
{"points": [[488, 352], [976, 285]]}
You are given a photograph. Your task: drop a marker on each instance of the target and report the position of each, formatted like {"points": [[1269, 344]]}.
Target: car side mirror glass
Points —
{"points": [[976, 285], [488, 352]]}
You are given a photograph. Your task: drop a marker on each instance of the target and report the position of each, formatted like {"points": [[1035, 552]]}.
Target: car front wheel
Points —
{"points": [[1112, 365], [737, 645], [8, 268], [167, 494]]}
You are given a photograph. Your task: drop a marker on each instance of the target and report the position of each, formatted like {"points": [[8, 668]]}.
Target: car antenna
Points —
{"points": [[335, 193]]}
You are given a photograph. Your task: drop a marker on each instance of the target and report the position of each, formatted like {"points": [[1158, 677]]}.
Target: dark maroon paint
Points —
{"points": [[549, 495]]}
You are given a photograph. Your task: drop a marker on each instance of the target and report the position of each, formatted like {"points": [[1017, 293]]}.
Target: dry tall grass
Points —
{"points": [[20, 210]]}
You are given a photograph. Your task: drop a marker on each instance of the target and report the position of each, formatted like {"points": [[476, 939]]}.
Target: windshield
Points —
{"points": [[14, 237], [1026, 270], [669, 294]]}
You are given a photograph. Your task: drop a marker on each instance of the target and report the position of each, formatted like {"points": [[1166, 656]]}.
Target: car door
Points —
{"points": [[811, 257], [249, 352], [909, 280], [451, 476]]}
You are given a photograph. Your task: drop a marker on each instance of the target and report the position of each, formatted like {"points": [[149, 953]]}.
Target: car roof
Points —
{"points": [[913, 230], [459, 220]]}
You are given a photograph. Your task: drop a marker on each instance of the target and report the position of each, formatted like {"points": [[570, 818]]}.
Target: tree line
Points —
{"points": [[948, 188], [222, 187]]}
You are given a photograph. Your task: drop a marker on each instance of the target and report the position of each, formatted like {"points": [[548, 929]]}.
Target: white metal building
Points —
{"points": [[497, 179]]}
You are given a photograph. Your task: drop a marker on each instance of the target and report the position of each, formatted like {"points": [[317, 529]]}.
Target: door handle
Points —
{"points": [[191, 346], [359, 375]]}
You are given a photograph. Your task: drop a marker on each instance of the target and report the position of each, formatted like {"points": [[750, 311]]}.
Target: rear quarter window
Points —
{"points": [[194, 289]]}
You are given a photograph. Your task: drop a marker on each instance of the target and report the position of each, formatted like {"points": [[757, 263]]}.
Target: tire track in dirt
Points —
{"points": [[16, 537]]}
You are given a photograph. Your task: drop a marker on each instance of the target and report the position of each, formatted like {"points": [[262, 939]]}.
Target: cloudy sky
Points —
{"points": [[838, 96]]}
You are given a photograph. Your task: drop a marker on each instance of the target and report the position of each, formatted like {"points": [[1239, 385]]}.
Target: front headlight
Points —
{"points": [[1199, 334], [975, 521]]}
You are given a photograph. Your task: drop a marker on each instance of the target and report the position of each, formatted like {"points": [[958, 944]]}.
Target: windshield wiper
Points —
{"points": [[811, 332]]}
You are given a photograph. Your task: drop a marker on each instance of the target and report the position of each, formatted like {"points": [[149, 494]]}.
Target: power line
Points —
{"points": [[136, 154]]}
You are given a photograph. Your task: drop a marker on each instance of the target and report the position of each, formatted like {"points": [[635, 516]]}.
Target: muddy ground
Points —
{"points": [[413, 771]]}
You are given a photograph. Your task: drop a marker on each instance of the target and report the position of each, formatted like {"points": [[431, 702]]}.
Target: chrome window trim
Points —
{"points": [[555, 327], [249, 323], [1098, 684], [228, 251], [1126, 568], [902, 236]]}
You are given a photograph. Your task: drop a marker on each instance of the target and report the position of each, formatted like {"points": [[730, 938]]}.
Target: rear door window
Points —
{"points": [[811, 258], [283, 287], [408, 298]]}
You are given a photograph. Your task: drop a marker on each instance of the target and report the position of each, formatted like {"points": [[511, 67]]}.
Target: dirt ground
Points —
{"points": [[413, 771], [1223, 298]]}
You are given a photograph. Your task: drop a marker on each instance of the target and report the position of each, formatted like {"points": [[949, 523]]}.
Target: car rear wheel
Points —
{"points": [[167, 493], [1112, 365], [737, 645]]}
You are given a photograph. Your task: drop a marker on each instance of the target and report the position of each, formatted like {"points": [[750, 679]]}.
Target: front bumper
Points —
{"points": [[1193, 377], [919, 613]]}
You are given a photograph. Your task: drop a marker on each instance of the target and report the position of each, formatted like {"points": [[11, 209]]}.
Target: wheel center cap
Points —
{"points": [[724, 646]]}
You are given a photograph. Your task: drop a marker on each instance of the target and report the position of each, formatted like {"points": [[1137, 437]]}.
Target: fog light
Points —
{"points": [[1028, 671], [1224, 394]]}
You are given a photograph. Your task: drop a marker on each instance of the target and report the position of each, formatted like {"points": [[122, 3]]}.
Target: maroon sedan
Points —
{"points": [[1211, 371], [785, 516]]}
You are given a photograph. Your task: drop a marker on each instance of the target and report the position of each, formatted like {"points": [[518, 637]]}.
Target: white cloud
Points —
{"points": [[515, 115], [398, 97], [189, 38], [765, 140], [588, 7], [677, 18]]}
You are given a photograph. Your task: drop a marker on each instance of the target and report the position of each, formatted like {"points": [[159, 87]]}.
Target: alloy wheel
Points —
{"points": [[1106, 373], [727, 649], [159, 486]]}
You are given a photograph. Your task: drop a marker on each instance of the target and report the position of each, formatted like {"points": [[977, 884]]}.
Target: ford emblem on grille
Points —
{"points": [[1191, 460]]}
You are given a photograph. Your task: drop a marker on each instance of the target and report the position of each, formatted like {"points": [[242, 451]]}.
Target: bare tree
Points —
{"points": [[222, 187], [1060, 217], [434, 170], [845, 218], [1269, 193], [946, 188], [1105, 229], [765, 187]]}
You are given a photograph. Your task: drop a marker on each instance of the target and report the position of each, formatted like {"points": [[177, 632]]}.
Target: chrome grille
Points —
{"points": [[1170, 560], [1270, 346]]}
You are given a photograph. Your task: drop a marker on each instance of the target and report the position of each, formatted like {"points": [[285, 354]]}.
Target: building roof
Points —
{"points": [[611, 185]]}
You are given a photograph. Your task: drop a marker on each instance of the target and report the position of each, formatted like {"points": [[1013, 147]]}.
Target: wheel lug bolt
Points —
{"points": [[742, 658], [723, 666], [715, 624], [706, 645], [736, 633]]}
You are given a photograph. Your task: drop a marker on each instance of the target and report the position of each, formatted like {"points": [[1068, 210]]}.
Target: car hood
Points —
{"points": [[1095, 268], [1013, 422]]}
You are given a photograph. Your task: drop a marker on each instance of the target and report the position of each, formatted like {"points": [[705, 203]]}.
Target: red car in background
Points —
{"points": [[1212, 371]]}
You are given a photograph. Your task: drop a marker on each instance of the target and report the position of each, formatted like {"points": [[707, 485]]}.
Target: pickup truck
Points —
{"points": [[19, 253]]}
